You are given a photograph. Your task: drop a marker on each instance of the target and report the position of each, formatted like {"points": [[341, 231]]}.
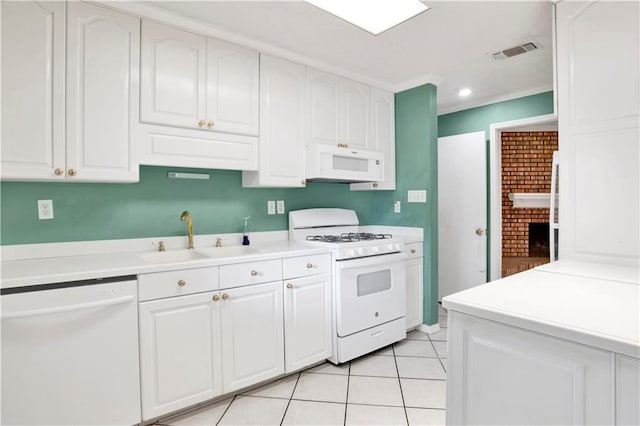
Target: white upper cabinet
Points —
{"points": [[173, 73], [196, 82], [282, 125], [598, 115], [383, 138], [90, 141], [103, 48], [33, 90], [338, 111]]}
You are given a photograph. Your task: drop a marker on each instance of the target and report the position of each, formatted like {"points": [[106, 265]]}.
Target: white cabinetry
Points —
{"points": [[102, 62], [383, 138], [598, 118], [180, 350], [627, 390], [414, 279], [307, 310], [338, 111], [500, 374], [282, 125]]}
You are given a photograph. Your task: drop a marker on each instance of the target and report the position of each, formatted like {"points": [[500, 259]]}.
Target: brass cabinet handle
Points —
{"points": [[210, 124], [216, 297], [201, 123], [309, 265], [58, 172], [254, 273], [375, 185], [413, 251], [182, 283], [343, 145], [289, 285], [225, 296], [72, 172], [304, 181]]}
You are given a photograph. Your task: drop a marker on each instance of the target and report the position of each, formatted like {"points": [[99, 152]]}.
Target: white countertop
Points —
{"points": [[602, 311]]}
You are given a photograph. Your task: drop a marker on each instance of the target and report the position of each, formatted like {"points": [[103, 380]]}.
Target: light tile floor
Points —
{"points": [[403, 384]]}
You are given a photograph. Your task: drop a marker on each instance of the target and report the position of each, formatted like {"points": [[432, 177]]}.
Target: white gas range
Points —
{"points": [[368, 280]]}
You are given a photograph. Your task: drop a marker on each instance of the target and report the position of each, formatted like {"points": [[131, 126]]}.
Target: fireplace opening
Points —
{"points": [[538, 239]]}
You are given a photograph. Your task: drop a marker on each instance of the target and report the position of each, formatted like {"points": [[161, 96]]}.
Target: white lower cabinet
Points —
{"points": [[252, 334], [414, 280], [180, 357], [499, 374], [307, 321], [627, 390]]}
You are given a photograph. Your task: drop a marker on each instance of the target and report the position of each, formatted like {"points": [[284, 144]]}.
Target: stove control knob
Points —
{"points": [[375, 249], [351, 253], [396, 246], [360, 251]]}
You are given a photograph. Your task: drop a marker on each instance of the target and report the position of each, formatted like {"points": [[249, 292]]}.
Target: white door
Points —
{"points": [[252, 334], [462, 212], [173, 77], [103, 56], [232, 88], [180, 357], [323, 104], [33, 141], [355, 111], [307, 321]]}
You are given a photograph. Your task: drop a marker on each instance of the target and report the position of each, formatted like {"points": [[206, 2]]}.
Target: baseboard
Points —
{"points": [[429, 329]]}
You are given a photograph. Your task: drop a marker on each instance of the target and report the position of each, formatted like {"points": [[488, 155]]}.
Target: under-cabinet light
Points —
{"points": [[374, 16], [182, 175]]}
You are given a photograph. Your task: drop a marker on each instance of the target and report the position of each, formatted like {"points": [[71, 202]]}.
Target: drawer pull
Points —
{"points": [[289, 285], [254, 273], [413, 251], [225, 296], [216, 298], [309, 265], [182, 283]]}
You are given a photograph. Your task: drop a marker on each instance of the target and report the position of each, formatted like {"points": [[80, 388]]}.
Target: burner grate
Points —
{"points": [[348, 237]]}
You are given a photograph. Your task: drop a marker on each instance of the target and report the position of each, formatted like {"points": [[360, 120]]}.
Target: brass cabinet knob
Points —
{"points": [[72, 172], [225, 296], [210, 124], [304, 181], [215, 297], [182, 283], [375, 185], [309, 265], [413, 251], [58, 172], [480, 231], [201, 123], [254, 273], [289, 285]]}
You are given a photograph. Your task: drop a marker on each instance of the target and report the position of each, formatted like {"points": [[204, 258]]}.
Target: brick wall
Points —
{"points": [[526, 167]]}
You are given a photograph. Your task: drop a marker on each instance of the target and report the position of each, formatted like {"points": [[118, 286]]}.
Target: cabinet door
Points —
{"points": [[180, 357], [173, 77], [33, 37], [307, 321], [627, 390], [282, 125], [598, 119], [414, 292], [103, 55], [323, 108], [232, 88], [383, 138], [356, 114], [252, 335], [545, 380]]}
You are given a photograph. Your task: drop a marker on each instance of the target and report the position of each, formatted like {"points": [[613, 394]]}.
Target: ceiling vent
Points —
{"points": [[517, 50]]}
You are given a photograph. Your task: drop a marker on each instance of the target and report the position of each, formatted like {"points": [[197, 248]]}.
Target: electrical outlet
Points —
{"points": [[280, 206], [45, 209], [396, 206], [271, 207], [417, 196]]}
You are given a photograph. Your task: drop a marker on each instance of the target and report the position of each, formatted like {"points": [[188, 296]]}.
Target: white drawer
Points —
{"points": [[248, 273], [303, 266], [413, 250], [176, 283]]}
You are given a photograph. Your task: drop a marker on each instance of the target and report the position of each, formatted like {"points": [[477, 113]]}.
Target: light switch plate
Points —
{"points": [[271, 207], [280, 206], [396, 206], [417, 196]]}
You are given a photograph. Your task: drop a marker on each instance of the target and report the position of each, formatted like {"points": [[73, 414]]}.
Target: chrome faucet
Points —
{"points": [[186, 215]]}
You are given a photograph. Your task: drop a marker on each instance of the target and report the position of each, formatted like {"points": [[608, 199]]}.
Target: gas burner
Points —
{"points": [[325, 238], [364, 236]]}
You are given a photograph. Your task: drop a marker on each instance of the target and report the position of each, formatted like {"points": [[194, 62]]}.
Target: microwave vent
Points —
{"points": [[517, 50]]}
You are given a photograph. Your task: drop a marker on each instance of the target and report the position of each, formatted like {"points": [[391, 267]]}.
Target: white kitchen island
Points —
{"points": [[559, 344]]}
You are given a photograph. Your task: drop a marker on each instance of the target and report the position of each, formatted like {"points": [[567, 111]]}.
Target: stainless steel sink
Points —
{"points": [[227, 251], [172, 256]]}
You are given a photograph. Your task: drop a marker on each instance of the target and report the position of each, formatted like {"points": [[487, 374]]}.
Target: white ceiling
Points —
{"points": [[449, 45]]}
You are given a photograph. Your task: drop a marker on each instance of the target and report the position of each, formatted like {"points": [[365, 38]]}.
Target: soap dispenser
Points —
{"points": [[245, 232]]}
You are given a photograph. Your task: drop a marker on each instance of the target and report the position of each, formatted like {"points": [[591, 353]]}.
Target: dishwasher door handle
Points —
{"points": [[69, 308]]}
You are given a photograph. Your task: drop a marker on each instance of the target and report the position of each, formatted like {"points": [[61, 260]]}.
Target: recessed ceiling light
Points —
{"points": [[374, 16], [464, 92]]}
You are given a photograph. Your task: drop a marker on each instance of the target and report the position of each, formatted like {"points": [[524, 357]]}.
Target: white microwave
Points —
{"points": [[336, 164]]}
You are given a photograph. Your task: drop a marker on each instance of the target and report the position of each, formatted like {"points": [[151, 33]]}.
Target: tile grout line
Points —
{"points": [[226, 409], [346, 402], [293, 391], [404, 405]]}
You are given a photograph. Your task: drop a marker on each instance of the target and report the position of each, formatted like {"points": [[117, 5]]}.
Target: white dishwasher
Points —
{"points": [[70, 353]]}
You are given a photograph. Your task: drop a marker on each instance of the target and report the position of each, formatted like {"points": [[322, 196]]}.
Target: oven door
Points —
{"points": [[369, 291]]}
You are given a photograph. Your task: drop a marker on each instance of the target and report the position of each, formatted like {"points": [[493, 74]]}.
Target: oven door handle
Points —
{"points": [[382, 259]]}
